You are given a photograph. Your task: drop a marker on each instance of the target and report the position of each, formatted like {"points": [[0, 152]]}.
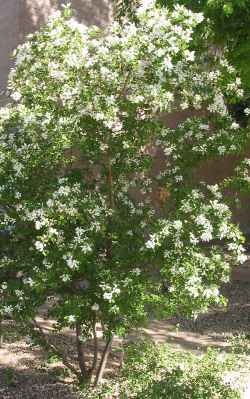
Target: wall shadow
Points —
{"points": [[34, 13]]}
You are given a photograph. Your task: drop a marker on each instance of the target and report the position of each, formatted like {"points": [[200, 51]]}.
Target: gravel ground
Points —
{"points": [[32, 377]]}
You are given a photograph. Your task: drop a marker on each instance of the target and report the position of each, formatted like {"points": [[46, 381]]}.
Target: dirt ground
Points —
{"points": [[26, 373]]}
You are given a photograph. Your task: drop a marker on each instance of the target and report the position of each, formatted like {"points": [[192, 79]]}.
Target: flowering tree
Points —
{"points": [[75, 155]]}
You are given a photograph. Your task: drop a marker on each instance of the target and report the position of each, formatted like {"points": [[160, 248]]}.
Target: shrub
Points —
{"points": [[76, 144]]}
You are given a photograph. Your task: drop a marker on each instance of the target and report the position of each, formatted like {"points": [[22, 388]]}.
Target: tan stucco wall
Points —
{"points": [[20, 17], [9, 37]]}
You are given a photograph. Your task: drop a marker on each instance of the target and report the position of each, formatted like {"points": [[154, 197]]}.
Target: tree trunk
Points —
{"points": [[95, 357], [80, 355], [103, 361], [109, 244]]}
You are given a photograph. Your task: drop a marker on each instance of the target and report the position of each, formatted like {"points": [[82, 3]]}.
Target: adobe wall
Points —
{"points": [[9, 38], [20, 17]]}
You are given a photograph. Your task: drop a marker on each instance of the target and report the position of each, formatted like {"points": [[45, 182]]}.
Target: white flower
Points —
{"points": [[108, 296], [168, 150], [72, 60], [167, 64], [65, 277], [232, 246], [199, 17], [8, 309], [53, 231], [193, 290], [64, 190], [18, 195], [201, 220], [204, 126], [177, 224], [211, 292], [55, 71], [50, 203], [4, 113], [235, 126], [178, 178], [71, 262], [184, 105], [206, 236], [125, 145], [194, 240], [19, 293], [4, 286], [241, 258], [116, 290], [17, 167], [146, 4], [103, 147], [71, 318], [223, 230], [189, 55], [29, 281], [247, 111], [16, 96], [39, 246], [151, 244], [86, 248], [38, 225], [95, 307], [215, 190]]}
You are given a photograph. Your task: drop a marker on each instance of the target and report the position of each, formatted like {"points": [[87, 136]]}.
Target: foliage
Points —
{"points": [[155, 371], [124, 7], [75, 155], [227, 26], [240, 344]]}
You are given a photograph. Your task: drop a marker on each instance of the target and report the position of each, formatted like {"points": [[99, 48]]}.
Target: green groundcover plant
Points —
{"points": [[78, 220], [157, 372]]}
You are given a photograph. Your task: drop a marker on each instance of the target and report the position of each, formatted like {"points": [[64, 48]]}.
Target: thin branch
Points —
{"points": [[56, 350]]}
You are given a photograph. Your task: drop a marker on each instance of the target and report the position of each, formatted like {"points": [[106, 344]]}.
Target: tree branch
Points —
{"points": [[56, 350]]}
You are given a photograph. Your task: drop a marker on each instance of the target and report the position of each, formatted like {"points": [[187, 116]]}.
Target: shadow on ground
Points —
{"points": [[25, 372], [32, 384]]}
